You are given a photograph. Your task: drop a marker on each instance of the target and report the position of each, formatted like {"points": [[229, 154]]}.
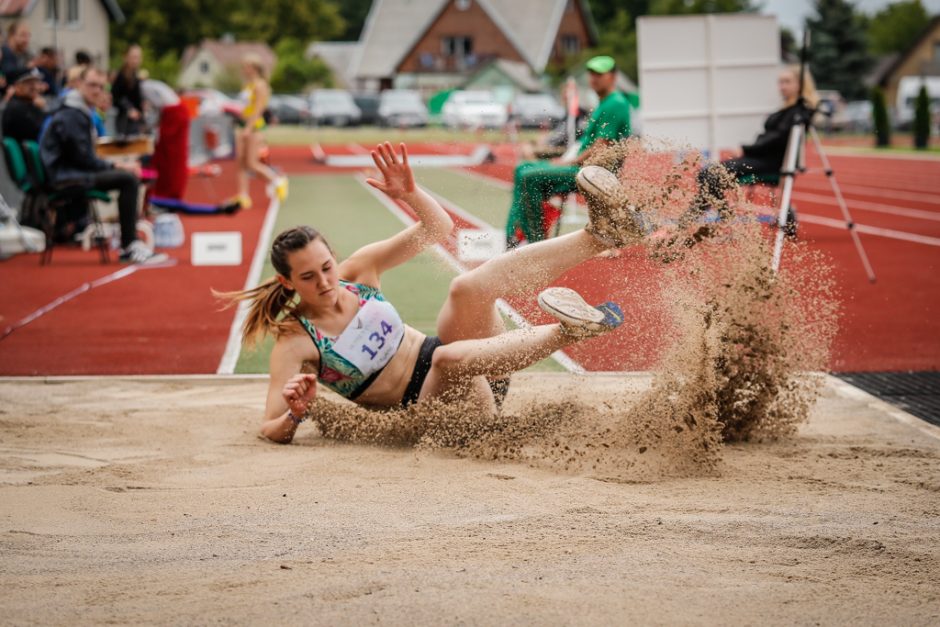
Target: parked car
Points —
{"points": [[402, 107], [908, 90], [289, 109], [536, 111], [855, 117], [334, 107], [368, 103], [473, 109]]}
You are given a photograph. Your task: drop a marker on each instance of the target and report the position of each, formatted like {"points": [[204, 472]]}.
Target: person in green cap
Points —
{"points": [[535, 181]]}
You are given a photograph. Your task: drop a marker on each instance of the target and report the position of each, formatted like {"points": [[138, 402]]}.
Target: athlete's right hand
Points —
{"points": [[299, 390]]}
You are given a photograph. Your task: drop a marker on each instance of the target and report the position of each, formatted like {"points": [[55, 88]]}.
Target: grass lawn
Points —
{"points": [[282, 135], [350, 217]]}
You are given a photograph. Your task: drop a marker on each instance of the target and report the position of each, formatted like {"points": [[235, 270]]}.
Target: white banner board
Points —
{"points": [[708, 81]]}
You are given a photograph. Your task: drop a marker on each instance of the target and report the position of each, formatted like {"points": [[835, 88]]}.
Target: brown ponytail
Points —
{"points": [[272, 304]]}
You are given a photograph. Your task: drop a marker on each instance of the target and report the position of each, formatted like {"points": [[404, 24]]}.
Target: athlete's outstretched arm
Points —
{"points": [[289, 392], [433, 226]]}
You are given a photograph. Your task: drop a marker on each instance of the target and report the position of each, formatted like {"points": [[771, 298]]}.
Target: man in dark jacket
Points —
{"points": [[24, 114], [68, 153]]}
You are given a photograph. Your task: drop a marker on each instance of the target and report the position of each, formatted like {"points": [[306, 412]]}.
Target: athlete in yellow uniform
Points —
{"points": [[248, 139]]}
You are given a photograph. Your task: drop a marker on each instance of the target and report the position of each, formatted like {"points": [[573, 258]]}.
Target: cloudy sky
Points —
{"points": [[793, 13]]}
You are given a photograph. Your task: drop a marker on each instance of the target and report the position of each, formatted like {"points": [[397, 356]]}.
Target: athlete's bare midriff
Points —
{"points": [[389, 387]]}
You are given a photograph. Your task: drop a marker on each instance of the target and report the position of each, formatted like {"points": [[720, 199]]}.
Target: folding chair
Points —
{"points": [[53, 199]]}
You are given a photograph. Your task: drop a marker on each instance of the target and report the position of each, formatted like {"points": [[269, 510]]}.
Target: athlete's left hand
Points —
{"points": [[398, 180]]}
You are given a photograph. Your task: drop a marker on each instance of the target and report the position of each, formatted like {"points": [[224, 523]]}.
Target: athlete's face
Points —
{"points": [[313, 275]]}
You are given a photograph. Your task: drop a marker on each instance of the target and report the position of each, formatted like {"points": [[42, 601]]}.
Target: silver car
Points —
{"points": [[536, 111], [402, 107], [334, 107]]}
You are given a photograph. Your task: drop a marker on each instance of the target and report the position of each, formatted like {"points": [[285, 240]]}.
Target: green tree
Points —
{"points": [[880, 117], [922, 119], [294, 71], [303, 20], [897, 26], [171, 25], [838, 51], [354, 13]]}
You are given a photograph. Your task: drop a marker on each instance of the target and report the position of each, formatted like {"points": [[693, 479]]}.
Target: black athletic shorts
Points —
{"points": [[420, 373]]}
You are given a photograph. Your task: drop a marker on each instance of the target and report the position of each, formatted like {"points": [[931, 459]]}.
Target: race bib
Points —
{"points": [[372, 338]]}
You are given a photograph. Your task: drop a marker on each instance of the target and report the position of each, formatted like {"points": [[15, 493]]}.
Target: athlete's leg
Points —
{"points": [[470, 312], [254, 160], [459, 365], [241, 153]]}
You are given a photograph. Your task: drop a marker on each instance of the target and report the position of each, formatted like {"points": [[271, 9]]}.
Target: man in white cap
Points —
{"points": [[535, 181]]}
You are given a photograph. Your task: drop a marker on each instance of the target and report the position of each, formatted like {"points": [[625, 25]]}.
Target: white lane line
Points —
{"points": [[867, 190], [505, 308], [813, 219], [862, 205], [871, 230], [81, 289], [233, 346]]}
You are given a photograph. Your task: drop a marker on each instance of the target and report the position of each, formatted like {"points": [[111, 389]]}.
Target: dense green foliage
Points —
{"points": [[897, 26], [294, 71], [922, 119], [880, 117], [839, 48]]}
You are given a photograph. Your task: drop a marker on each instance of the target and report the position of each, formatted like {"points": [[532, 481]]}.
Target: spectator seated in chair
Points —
{"points": [[67, 148], [25, 112], [760, 162], [536, 181]]}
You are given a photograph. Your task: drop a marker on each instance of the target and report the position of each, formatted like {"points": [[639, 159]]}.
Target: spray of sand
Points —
{"points": [[743, 346]]}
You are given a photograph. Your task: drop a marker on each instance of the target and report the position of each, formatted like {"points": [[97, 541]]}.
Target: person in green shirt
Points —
{"points": [[535, 181]]}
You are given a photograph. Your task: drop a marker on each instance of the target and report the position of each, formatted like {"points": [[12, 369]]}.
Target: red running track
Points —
{"points": [[154, 321], [893, 324]]}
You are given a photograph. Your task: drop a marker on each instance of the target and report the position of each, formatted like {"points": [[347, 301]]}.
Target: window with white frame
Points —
{"points": [[52, 10], [73, 11]]}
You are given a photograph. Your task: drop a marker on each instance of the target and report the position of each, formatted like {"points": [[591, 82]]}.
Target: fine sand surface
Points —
{"points": [[153, 501]]}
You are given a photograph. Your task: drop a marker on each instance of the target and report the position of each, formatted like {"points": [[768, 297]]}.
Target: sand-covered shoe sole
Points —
{"points": [[611, 219]]}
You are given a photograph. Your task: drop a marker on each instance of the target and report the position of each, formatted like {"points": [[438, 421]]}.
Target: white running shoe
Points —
{"points": [[577, 317], [138, 253]]}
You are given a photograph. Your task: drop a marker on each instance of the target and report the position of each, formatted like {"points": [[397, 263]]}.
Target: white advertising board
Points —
{"points": [[708, 81]]}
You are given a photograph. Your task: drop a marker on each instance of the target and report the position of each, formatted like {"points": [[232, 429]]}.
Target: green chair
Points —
{"points": [[753, 178], [19, 174], [54, 199]]}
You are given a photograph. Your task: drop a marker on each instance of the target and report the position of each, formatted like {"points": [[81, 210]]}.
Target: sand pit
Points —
{"points": [[152, 501]]}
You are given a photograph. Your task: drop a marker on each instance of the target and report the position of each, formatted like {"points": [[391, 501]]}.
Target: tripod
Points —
{"points": [[793, 163]]}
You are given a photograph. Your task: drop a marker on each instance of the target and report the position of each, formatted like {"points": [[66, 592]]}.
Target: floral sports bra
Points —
{"points": [[351, 361]]}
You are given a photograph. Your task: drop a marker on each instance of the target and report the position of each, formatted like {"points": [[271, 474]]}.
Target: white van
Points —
{"points": [[908, 88]]}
